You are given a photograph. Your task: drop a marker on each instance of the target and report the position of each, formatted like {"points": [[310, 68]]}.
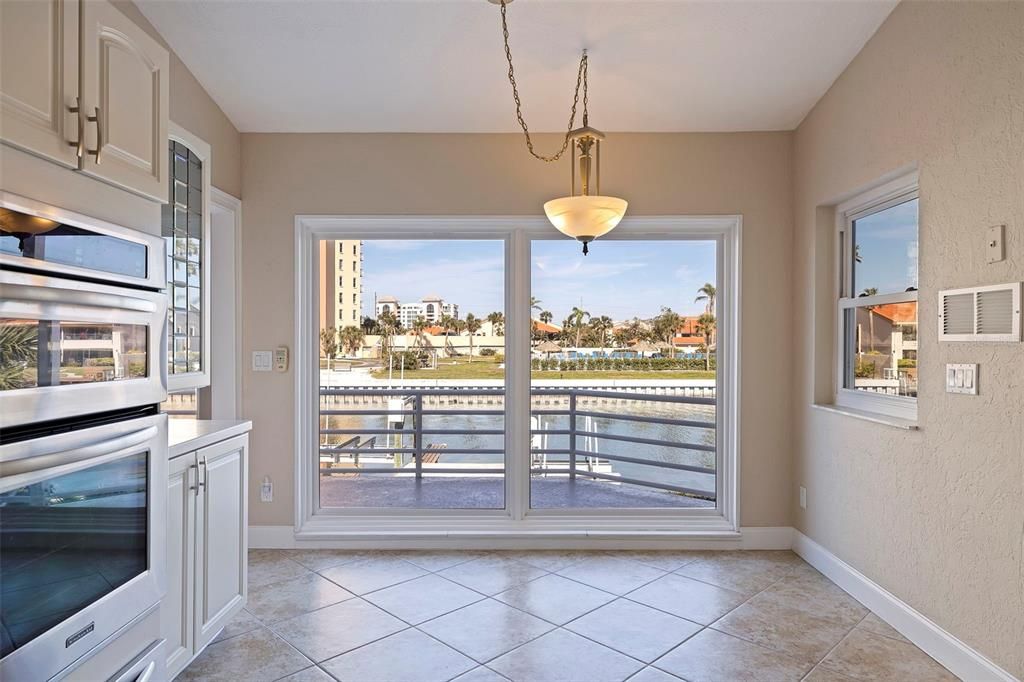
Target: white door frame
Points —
{"points": [[517, 520]]}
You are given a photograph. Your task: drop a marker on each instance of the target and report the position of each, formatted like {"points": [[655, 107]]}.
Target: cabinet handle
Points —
{"points": [[194, 487], [202, 483], [99, 135], [79, 145]]}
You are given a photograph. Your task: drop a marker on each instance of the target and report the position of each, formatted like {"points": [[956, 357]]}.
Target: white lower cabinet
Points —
{"points": [[207, 521]]}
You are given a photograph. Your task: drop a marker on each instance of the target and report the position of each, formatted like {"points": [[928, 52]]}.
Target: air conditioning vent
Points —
{"points": [[989, 313]]}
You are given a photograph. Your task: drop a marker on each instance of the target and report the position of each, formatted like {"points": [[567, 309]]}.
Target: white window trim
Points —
{"points": [[895, 191], [516, 520], [199, 147]]}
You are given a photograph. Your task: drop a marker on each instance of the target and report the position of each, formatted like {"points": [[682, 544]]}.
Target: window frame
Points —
{"points": [[516, 520], [199, 147], [869, 202]]}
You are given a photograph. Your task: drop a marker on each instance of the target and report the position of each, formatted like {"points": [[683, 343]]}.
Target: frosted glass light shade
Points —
{"points": [[586, 217]]}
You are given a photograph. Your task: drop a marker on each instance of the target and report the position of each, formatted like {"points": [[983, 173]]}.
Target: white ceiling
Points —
{"points": [[438, 65]]}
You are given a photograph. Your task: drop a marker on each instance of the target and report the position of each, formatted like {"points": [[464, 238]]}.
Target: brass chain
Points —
{"points": [[581, 78]]}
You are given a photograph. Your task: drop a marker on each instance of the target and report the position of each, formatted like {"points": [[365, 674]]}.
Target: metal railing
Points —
{"points": [[394, 405]]}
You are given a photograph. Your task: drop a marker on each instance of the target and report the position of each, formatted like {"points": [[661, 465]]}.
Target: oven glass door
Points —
{"points": [[68, 540], [70, 349]]}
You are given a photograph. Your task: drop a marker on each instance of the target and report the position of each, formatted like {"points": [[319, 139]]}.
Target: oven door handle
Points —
{"points": [[61, 453]]}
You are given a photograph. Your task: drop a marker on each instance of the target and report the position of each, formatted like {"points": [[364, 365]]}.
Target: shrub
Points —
{"points": [[488, 352], [864, 369]]}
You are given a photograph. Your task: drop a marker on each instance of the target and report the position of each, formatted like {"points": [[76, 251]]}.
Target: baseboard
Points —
{"points": [[956, 656], [771, 537]]}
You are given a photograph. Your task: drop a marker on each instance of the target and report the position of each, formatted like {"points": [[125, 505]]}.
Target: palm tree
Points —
{"points": [[18, 344], [666, 325], [601, 326], [706, 328], [329, 343], [472, 325], [546, 316], [446, 324], [419, 327], [707, 293], [388, 326], [576, 320], [352, 338], [534, 303], [497, 320]]}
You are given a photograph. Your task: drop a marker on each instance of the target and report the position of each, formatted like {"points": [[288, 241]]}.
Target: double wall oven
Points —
{"points": [[83, 445]]}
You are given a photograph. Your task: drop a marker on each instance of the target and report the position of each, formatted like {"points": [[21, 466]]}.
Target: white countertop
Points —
{"points": [[187, 435]]}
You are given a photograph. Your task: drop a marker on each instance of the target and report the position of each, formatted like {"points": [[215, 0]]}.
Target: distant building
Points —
{"points": [[341, 283], [430, 308]]}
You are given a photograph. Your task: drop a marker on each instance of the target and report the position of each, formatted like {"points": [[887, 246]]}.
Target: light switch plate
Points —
{"points": [[962, 378], [262, 361], [995, 243]]}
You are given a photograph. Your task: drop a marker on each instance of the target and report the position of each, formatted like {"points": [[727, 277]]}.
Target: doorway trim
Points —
{"points": [[516, 521]]}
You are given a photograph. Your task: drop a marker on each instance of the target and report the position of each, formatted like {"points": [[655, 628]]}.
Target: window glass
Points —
{"points": [[885, 251], [883, 348], [182, 228]]}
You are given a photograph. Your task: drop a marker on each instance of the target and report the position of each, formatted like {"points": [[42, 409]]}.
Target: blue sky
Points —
{"points": [[619, 279], [887, 244]]}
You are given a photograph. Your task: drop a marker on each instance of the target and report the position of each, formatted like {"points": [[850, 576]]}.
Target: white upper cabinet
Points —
{"points": [[39, 78], [125, 89], [82, 85]]}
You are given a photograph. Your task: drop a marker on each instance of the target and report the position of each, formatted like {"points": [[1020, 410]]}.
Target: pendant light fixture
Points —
{"points": [[589, 214]]}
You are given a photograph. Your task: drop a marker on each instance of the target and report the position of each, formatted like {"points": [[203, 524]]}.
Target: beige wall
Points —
{"points": [[746, 173], [935, 516]]}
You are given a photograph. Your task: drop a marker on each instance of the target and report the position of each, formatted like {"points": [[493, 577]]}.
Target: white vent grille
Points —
{"points": [[989, 313]]}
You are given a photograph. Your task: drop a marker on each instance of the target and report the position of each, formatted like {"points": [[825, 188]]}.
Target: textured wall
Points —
{"points": [[747, 173], [934, 516]]}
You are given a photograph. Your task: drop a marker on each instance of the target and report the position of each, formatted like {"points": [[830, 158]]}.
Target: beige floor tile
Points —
{"points": [[268, 566], [254, 656], [561, 656], [823, 674], [404, 657], [688, 598], [438, 561], [612, 573], [634, 629], [866, 656], [480, 674], [650, 674], [288, 598], [240, 624], [873, 623], [711, 656], [551, 560], [486, 629], [368, 575], [666, 560], [817, 595], [554, 598], [336, 629], [493, 574], [747, 576], [792, 631], [319, 559], [312, 674], [423, 598]]}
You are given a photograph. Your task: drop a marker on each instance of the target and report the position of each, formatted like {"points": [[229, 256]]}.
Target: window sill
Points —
{"points": [[874, 417]]}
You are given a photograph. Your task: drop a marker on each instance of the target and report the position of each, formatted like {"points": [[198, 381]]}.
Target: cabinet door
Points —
{"points": [[221, 536], [125, 77], [176, 607], [39, 78]]}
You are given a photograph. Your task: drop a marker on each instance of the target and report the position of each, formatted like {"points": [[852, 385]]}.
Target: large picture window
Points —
{"points": [[877, 348], [497, 379]]}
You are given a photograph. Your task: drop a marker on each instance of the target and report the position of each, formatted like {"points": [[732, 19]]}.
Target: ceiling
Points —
{"points": [[439, 66]]}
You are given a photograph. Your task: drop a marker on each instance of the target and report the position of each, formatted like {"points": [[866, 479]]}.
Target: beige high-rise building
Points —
{"points": [[341, 283]]}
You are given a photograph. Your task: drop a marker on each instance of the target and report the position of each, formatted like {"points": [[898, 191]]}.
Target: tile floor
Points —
{"points": [[322, 615]]}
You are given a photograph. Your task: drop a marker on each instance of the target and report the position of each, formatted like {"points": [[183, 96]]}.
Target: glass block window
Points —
{"points": [[182, 229]]}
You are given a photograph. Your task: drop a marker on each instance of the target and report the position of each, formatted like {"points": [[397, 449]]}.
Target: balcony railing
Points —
{"points": [[361, 449]]}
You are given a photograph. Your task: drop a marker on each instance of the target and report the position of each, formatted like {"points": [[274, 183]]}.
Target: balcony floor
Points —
{"points": [[476, 492]]}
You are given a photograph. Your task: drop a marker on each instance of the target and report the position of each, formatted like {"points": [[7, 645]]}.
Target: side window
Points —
{"points": [[878, 316]]}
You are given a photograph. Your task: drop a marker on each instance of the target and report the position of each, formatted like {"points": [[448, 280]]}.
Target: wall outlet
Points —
{"points": [[995, 243], [267, 490], [803, 497]]}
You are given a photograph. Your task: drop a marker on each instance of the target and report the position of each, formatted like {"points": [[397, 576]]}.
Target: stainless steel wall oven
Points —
{"points": [[83, 446]]}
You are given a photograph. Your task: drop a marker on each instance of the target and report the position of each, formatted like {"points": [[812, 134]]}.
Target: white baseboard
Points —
{"points": [[772, 537], [956, 656]]}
